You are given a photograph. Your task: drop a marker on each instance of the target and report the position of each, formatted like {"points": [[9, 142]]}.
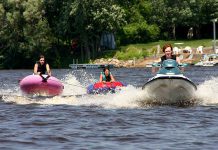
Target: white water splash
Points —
{"points": [[207, 92], [127, 97], [84, 77], [11, 91], [21, 100], [72, 86]]}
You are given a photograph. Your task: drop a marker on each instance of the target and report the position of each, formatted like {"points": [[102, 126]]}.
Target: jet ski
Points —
{"points": [[169, 85]]}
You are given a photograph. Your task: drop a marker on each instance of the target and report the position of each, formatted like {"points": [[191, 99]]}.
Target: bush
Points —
{"points": [[130, 53], [140, 32]]}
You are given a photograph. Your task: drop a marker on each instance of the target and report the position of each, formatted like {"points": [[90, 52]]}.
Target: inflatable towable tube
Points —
{"points": [[104, 87], [35, 84]]}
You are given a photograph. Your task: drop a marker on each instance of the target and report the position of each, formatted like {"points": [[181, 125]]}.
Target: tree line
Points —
{"points": [[72, 29]]}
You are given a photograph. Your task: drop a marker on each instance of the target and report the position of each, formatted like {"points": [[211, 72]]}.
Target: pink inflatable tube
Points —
{"points": [[34, 84]]}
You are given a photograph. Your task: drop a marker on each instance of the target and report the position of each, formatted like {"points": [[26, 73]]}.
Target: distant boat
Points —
{"points": [[208, 60], [205, 63], [149, 65]]}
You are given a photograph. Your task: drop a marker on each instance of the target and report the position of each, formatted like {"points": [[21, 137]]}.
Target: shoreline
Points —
{"points": [[190, 58]]}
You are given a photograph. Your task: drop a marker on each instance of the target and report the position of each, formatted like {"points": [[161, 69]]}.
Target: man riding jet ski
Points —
{"points": [[169, 85]]}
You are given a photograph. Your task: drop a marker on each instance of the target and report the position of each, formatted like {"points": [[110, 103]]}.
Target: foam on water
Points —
{"points": [[72, 86], [207, 92], [127, 97]]}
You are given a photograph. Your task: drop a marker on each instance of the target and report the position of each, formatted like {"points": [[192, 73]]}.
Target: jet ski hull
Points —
{"points": [[170, 89]]}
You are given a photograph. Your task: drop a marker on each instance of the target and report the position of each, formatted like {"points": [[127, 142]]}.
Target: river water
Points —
{"points": [[112, 121]]}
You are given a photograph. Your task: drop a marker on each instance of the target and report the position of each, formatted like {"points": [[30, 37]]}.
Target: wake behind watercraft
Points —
{"points": [[169, 85]]}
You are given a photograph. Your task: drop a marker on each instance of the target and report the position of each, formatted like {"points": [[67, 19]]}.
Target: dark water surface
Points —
{"points": [[112, 121]]}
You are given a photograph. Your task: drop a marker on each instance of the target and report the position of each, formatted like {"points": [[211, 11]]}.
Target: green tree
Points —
{"points": [[92, 18], [169, 14], [138, 29], [24, 32], [11, 32], [36, 29], [203, 11]]}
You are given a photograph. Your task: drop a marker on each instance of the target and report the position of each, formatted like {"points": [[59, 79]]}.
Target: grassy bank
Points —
{"points": [[145, 50]]}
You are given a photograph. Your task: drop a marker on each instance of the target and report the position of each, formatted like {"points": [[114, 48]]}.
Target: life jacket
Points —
{"points": [[106, 78], [41, 68], [164, 58]]}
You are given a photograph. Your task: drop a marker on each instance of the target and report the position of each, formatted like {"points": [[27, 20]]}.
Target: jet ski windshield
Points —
{"points": [[170, 63], [169, 66]]}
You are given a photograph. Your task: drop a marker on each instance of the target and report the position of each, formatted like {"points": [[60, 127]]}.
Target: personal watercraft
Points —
{"points": [[169, 85]]}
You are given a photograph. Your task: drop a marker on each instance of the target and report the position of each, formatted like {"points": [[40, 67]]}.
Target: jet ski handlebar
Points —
{"points": [[160, 64]]}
